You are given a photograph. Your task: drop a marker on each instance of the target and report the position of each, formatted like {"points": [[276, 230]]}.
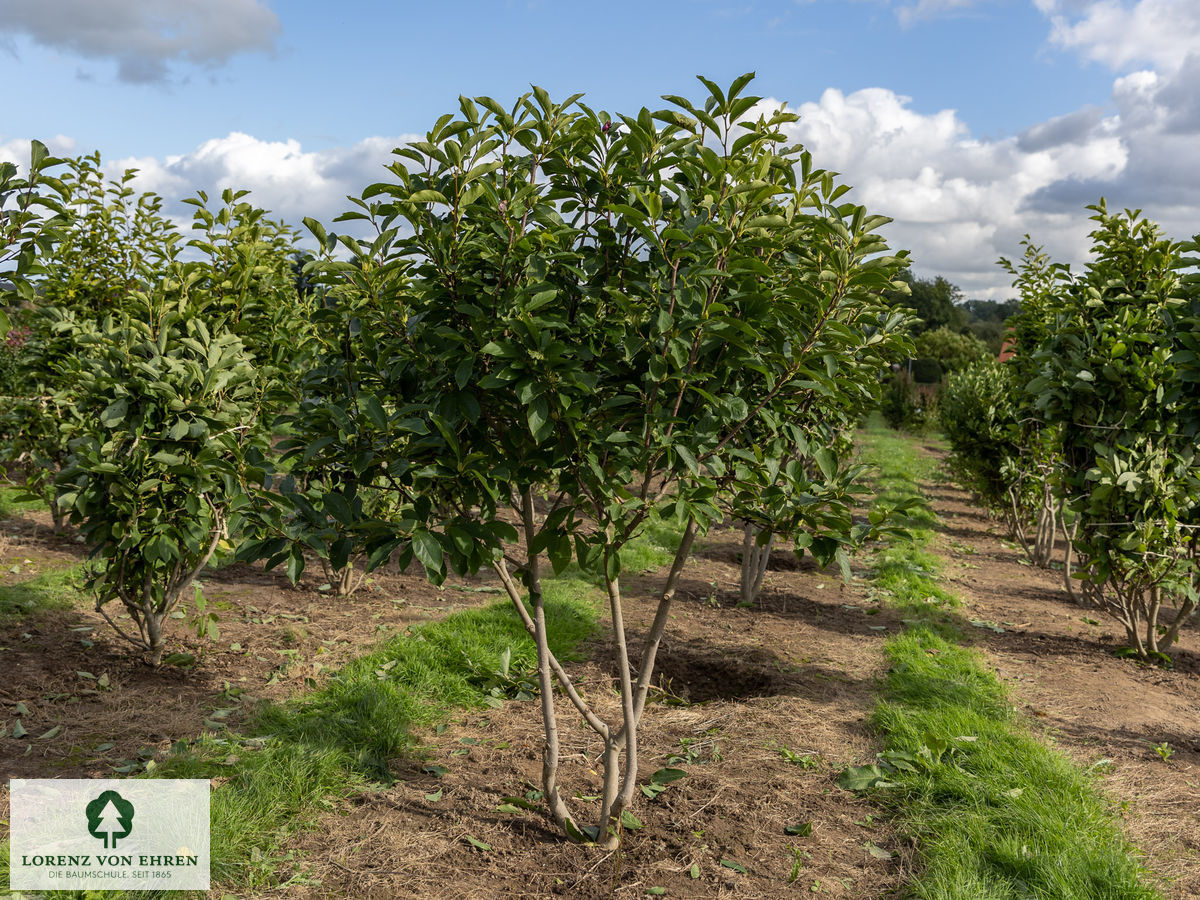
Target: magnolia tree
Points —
{"points": [[29, 208], [1032, 472], [164, 397], [1111, 370], [569, 322], [155, 481], [978, 411], [107, 238], [30, 211]]}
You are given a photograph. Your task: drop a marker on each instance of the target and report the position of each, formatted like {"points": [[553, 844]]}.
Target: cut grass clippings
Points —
{"points": [[295, 759], [992, 810]]}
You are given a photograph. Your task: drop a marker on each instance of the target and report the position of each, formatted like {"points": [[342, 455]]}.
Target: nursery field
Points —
{"points": [[761, 706], [540, 535]]}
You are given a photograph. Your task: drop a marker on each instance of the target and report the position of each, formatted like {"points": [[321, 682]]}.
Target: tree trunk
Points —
{"points": [[755, 559]]}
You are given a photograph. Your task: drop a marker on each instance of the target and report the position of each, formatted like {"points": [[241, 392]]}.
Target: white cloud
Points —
{"points": [[284, 178], [16, 150], [1119, 34], [143, 36], [959, 202]]}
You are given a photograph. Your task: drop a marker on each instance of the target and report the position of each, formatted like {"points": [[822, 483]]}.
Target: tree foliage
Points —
{"points": [[569, 322]]}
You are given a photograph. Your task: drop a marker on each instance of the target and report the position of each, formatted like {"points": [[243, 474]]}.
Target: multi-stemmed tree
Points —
{"points": [[1110, 379], [569, 322]]}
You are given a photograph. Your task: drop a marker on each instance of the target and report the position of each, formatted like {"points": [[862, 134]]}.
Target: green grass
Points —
{"points": [[58, 589], [11, 506], [654, 547], [994, 811], [295, 759]]}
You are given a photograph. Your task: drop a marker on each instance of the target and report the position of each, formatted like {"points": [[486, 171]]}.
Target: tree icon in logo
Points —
{"points": [[110, 816]]}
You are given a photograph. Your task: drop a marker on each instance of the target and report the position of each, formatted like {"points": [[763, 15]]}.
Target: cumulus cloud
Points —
{"points": [[282, 176], [1162, 33], [144, 36], [16, 150], [1158, 121], [959, 202]]}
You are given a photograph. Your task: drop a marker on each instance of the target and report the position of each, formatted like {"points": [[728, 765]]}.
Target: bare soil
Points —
{"points": [[797, 672], [1107, 712]]}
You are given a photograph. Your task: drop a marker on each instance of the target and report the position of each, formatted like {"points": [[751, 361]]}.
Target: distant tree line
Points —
{"points": [[939, 304]]}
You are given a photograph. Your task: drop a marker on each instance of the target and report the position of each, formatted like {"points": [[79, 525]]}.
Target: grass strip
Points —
{"points": [[10, 505], [994, 811], [57, 589], [296, 758]]}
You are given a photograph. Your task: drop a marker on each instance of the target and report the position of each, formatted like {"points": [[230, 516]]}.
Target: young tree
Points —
{"points": [[574, 322], [106, 240], [1109, 379], [29, 210], [168, 407], [155, 483], [1034, 472]]}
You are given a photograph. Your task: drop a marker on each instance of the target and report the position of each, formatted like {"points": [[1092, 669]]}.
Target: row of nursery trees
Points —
{"points": [[1089, 431], [561, 327]]}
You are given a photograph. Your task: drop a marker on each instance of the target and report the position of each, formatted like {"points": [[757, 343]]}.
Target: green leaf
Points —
{"points": [[428, 550], [53, 732], [860, 778], [338, 508], [477, 844], [295, 565], [801, 829], [19, 730], [427, 196], [435, 796], [114, 413], [539, 418], [374, 411], [666, 776], [878, 852], [629, 820], [730, 864]]}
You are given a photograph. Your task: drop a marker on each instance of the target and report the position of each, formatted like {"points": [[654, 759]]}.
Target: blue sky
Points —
{"points": [[968, 121]]}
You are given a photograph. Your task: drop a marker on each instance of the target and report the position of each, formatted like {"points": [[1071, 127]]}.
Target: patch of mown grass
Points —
{"points": [[994, 811], [369, 709], [295, 759], [999, 814], [58, 589], [654, 547], [11, 506]]}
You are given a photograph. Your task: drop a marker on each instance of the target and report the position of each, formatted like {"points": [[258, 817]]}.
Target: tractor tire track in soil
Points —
{"points": [[1057, 660]]}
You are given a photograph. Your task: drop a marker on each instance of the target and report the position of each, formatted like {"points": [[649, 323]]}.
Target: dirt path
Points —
{"points": [[1104, 711], [67, 669]]}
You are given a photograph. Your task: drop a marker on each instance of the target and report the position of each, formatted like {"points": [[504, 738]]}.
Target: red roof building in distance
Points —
{"points": [[1007, 349]]}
